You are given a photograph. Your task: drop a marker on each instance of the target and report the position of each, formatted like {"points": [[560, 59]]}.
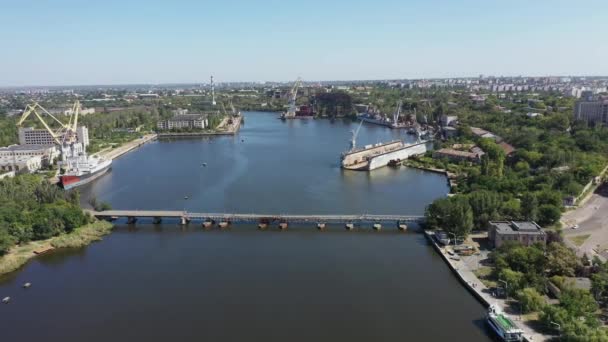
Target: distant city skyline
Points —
{"points": [[62, 43]]}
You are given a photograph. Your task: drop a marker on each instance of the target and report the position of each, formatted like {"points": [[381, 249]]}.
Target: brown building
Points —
{"points": [[457, 156], [524, 232]]}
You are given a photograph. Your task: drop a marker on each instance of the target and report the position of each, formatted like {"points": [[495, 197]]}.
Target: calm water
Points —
{"points": [[165, 282]]}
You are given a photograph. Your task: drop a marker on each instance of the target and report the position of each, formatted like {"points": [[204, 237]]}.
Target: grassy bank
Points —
{"points": [[19, 255]]}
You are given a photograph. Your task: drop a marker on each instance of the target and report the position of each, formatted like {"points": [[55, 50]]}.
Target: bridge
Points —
{"points": [[263, 220]]}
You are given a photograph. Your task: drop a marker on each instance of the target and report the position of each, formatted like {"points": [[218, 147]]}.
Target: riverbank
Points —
{"points": [[466, 276], [80, 237], [450, 176], [127, 147]]}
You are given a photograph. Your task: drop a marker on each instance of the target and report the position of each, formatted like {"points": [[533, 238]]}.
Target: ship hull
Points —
{"points": [[71, 181]]}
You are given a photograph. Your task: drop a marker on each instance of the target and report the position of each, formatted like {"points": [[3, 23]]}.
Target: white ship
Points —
{"points": [[504, 327]]}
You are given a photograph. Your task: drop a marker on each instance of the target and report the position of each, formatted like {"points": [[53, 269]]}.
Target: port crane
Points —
{"points": [[397, 113], [65, 134], [353, 140], [291, 112]]}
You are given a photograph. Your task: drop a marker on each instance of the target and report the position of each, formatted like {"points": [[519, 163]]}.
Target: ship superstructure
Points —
{"points": [[76, 167]]}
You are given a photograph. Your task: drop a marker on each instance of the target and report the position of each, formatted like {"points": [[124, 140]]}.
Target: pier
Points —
{"points": [[224, 219]]}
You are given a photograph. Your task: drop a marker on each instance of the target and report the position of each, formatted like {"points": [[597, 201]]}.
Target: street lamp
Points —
{"points": [[506, 287], [559, 327]]}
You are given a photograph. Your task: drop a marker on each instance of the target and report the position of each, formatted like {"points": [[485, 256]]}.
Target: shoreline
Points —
{"points": [[474, 286], [18, 256], [127, 147]]}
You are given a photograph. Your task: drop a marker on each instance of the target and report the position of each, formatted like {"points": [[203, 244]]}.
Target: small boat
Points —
{"points": [[185, 197], [27, 285], [204, 164], [5, 300]]}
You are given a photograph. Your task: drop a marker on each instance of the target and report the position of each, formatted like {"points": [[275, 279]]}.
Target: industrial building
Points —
{"points": [[33, 136], [592, 111], [26, 158], [184, 121], [525, 232], [457, 155]]}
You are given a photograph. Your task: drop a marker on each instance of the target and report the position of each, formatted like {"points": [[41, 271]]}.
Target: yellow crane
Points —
{"points": [[65, 134]]}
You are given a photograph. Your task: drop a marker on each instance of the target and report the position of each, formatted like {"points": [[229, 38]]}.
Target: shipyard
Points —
{"points": [[349, 171]]}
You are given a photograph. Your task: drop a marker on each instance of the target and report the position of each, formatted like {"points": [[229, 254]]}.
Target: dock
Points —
{"points": [[206, 218]]}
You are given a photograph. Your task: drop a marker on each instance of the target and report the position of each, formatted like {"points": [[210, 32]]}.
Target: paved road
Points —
{"points": [[592, 219]]}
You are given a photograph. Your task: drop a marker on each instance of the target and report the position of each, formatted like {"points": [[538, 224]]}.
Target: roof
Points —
{"points": [[13, 148], [456, 153], [517, 227], [506, 147], [187, 117]]}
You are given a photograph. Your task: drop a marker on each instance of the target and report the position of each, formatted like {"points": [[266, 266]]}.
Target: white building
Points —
{"points": [[188, 121], [26, 158], [83, 111], [33, 136]]}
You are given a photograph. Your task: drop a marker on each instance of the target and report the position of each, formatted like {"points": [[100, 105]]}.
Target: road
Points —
{"points": [[592, 218]]}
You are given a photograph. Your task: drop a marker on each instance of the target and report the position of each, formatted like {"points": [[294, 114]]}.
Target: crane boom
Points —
{"points": [[67, 132], [353, 141], [291, 112]]}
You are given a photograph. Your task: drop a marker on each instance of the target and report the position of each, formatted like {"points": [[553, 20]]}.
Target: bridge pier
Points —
{"points": [[402, 226], [283, 225], [350, 226], [224, 224], [377, 226], [131, 219], [321, 225], [157, 220], [262, 225], [207, 223], [184, 220]]}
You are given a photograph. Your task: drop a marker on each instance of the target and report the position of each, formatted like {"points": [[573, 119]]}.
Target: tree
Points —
{"points": [[530, 300], [548, 214], [452, 214], [485, 205], [6, 240], [561, 260]]}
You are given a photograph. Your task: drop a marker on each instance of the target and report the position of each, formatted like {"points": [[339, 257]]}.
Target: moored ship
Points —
{"points": [[86, 171], [504, 327]]}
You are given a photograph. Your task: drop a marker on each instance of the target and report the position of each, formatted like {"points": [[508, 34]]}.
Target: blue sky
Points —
{"points": [[63, 42]]}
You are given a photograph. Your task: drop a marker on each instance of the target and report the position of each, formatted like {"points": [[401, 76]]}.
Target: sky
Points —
{"points": [[91, 42]]}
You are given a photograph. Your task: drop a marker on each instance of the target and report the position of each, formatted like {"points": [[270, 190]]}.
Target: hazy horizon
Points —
{"points": [[137, 42]]}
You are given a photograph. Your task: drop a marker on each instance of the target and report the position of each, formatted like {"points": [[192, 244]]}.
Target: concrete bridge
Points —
{"points": [[263, 220]]}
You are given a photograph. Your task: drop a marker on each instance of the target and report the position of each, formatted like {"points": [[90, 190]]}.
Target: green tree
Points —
{"points": [[548, 214], [530, 300], [561, 260]]}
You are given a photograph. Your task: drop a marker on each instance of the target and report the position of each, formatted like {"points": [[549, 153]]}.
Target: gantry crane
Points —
{"points": [[65, 135], [291, 112]]}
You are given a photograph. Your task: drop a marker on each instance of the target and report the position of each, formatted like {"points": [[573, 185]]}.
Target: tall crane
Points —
{"points": [[353, 139], [293, 94], [397, 113], [65, 134]]}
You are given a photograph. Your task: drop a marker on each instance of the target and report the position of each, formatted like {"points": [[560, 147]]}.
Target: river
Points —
{"points": [[166, 282]]}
